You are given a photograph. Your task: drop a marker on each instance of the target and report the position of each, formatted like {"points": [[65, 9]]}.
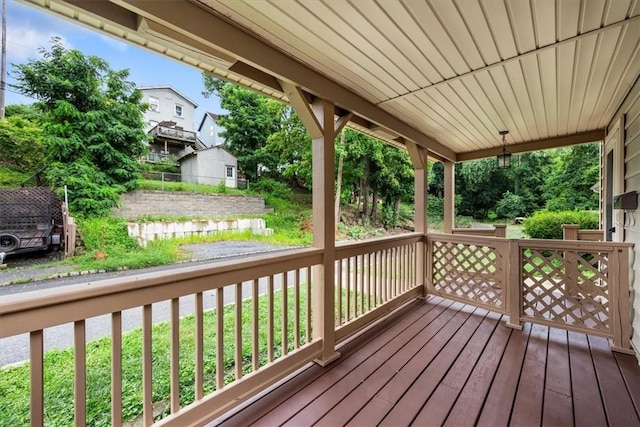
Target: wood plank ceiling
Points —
{"points": [[457, 72]]}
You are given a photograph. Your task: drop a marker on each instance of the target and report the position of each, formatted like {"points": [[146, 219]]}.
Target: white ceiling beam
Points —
{"points": [[541, 144], [206, 27]]}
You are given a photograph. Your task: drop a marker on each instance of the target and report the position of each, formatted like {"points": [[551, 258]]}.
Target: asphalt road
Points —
{"points": [[16, 349]]}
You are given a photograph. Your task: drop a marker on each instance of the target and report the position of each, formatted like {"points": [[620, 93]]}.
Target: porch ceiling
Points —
{"points": [[448, 75]]}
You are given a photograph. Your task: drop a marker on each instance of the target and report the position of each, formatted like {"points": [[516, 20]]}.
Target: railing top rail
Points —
{"points": [[572, 244], [348, 249], [133, 291], [466, 238]]}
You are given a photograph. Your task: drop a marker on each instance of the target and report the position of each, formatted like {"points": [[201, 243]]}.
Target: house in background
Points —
{"points": [[208, 131], [170, 121], [210, 166]]}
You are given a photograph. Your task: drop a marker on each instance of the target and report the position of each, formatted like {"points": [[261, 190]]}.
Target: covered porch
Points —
{"points": [[512, 330], [436, 362]]}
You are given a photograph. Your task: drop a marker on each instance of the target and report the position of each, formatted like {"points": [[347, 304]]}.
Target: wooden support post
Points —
{"points": [[420, 216], [318, 119], [501, 230], [513, 287], [449, 196], [620, 305], [570, 231]]}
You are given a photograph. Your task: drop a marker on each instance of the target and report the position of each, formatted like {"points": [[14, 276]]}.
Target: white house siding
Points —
{"points": [[167, 108], [631, 111], [208, 166], [208, 131]]}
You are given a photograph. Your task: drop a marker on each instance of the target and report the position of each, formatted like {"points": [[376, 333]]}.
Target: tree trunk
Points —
{"points": [[374, 206], [365, 188], [339, 179]]}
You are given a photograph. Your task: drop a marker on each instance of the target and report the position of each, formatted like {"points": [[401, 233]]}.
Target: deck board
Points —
{"points": [[617, 403], [444, 363], [557, 406]]}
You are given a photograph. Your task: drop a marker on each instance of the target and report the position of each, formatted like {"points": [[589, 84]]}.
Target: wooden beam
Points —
{"points": [[256, 75], [305, 112], [541, 144], [449, 196], [104, 9], [164, 34], [204, 26], [418, 155]]}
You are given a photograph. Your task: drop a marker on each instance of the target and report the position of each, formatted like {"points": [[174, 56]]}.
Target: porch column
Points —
{"points": [[449, 196], [420, 217], [318, 118]]}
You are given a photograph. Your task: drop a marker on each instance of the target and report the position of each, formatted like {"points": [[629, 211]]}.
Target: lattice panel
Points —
{"points": [[567, 287], [28, 208], [469, 272]]}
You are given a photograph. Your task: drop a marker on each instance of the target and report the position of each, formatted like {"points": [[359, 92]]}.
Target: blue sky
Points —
{"points": [[29, 29]]}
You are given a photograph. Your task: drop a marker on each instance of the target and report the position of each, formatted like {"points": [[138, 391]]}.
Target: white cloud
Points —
{"points": [[24, 42], [113, 42]]}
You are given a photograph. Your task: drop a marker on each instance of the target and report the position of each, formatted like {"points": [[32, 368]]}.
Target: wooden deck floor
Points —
{"points": [[443, 363]]}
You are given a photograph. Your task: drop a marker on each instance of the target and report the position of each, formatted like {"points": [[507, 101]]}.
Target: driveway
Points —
{"points": [[16, 349]]}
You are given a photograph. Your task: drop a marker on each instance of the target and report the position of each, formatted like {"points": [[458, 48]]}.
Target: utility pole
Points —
{"points": [[3, 71]]}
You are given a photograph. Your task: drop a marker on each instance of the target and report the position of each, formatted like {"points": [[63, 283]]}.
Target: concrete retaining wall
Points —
{"points": [[144, 232], [163, 203]]}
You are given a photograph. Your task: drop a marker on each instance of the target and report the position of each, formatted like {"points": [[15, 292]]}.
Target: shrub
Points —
{"points": [[390, 218], [463, 222], [273, 187], [548, 225], [510, 206]]}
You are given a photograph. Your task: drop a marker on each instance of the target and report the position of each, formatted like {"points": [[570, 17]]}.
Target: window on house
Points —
{"points": [[154, 103], [229, 171], [212, 130], [178, 110]]}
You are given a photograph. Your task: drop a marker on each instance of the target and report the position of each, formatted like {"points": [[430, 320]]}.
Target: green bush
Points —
{"points": [[548, 225], [273, 187], [510, 206]]}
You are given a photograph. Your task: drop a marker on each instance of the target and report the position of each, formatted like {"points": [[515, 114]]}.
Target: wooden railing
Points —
{"points": [[373, 278], [498, 230], [274, 341], [573, 232], [471, 269], [252, 321], [578, 286]]}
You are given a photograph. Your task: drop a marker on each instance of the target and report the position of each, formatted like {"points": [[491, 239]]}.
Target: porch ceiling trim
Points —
{"points": [[541, 144]]}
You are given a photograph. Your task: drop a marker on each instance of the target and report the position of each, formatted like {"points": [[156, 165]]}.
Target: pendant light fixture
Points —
{"points": [[504, 158]]}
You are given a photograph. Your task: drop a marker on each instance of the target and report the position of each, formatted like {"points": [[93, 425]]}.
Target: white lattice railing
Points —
{"points": [[580, 286], [469, 269], [576, 285]]}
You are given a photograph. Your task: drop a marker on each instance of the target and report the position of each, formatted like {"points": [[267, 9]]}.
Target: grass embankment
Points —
{"points": [[108, 246], [58, 374]]}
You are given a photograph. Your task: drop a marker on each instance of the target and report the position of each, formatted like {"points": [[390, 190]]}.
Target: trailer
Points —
{"points": [[30, 220]]}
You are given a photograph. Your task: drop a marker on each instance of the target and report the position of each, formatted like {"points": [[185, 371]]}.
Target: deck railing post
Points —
{"points": [[513, 285], [620, 301], [318, 118], [570, 232], [419, 160], [501, 230]]}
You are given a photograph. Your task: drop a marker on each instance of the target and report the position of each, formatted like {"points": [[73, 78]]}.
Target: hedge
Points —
{"points": [[548, 225]]}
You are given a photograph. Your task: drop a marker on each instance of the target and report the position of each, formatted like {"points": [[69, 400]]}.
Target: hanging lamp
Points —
{"points": [[504, 157]]}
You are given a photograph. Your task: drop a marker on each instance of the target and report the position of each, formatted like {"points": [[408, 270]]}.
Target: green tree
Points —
{"points": [[569, 187], [250, 120], [20, 144], [92, 128]]}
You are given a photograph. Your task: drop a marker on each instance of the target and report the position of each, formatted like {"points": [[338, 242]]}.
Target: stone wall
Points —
{"points": [[139, 203], [144, 232]]}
